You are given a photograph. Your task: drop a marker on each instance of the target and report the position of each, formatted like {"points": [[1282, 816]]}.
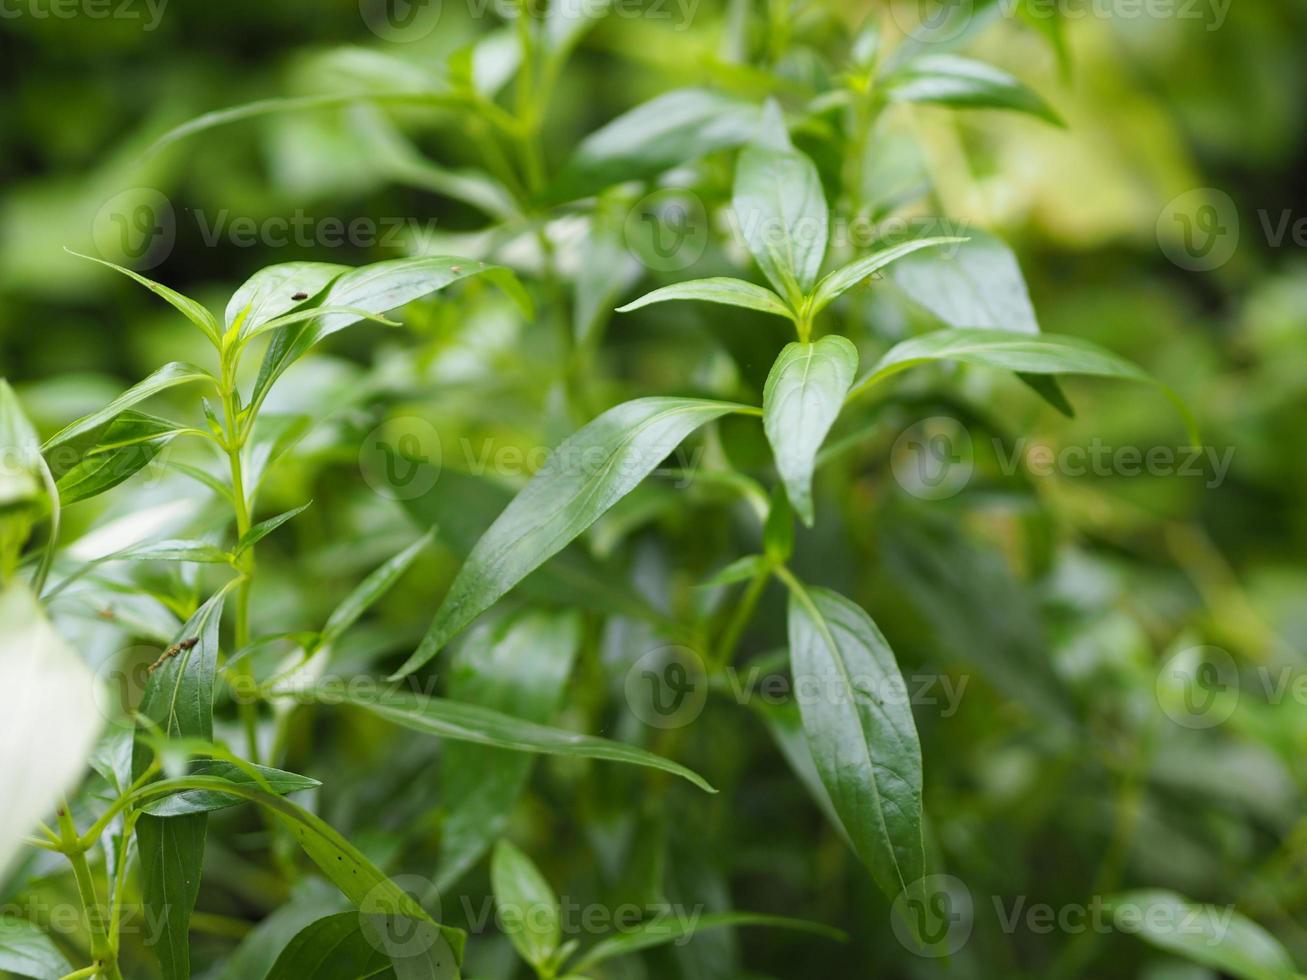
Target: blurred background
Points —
{"points": [[1167, 222]]}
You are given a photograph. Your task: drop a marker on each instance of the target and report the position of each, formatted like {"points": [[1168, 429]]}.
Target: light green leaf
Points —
{"points": [[781, 213], [184, 305], [607, 269], [977, 284], [800, 402], [583, 478], [740, 570], [947, 79], [676, 930], [206, 801], [1216, 937], [20, 480], [271, 291], [1032, 354], [518, 664], [860, 731], [673, 129], [169, 376], [729, 292], [41, 679], [261, 530], [472, 723], [846, 277], [178, 699], [568, 20], [527, 905], [26, 951], [372, 588]]}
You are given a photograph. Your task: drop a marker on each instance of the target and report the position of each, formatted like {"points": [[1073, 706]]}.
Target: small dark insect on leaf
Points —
{"points": [[300, 296], [171, 652]]}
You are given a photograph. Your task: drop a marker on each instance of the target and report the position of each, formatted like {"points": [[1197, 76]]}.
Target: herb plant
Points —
{"points": [[691, 529]]}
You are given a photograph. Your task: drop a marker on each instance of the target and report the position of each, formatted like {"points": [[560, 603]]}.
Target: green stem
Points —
{"points": [[101, 949], [730, 637]]}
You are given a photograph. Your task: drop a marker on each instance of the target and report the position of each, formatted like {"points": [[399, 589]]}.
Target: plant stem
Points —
{"points": [[730, 637], [101, 949]]}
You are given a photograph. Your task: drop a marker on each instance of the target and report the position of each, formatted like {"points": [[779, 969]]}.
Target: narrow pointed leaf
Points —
{"points": [[372, 588], [526, 903], [472, 723], [169, 376], [206, 801], [261, 530], [860, 731], [184, 305], [583, 478], [977, 284], [271, 292], [1020, 352], [846, 277], [1219, 938], [729, 292], [124, 448], [961, 83], [801, 401]]}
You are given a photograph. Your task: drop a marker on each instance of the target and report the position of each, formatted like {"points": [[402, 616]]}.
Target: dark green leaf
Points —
{"points": [[168, 376], [860, 730], [26, 951], [372, 588], [124, 448], [261, 530]]}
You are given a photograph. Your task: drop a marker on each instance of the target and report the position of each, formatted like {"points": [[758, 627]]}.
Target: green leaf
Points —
{"points": [[271, 291], [526, 903], [372, 588], [729, 292], [566, 23], [676, 930], [124, 448], [41, 679], [519, 665], [169, 376], [947, 79], [801, 401], [1219, 938], [26, 951], [184, 305], [1037, 354], [472, 723], [178, 699], [206, 801], [846, 277], [20, 481], [781, 213], [312, 899], [375, 289], [673, 129], [583, 478], [860, 730], [978, 284], [344, 865], [778, 530], [740, 570], [261, 530], [333, 948]]}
